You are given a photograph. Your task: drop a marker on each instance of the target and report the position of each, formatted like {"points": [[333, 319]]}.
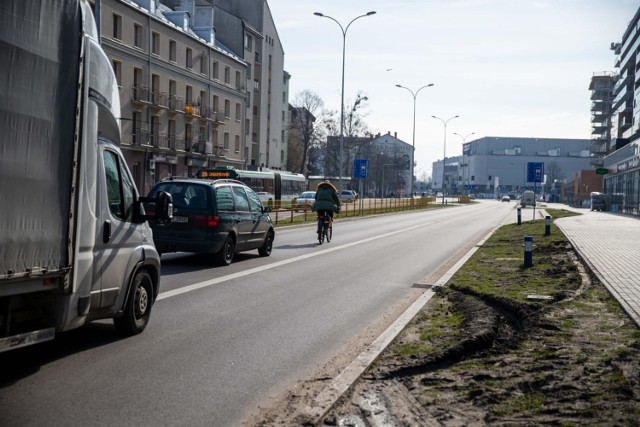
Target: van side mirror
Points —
{"points": [[159, 209]]}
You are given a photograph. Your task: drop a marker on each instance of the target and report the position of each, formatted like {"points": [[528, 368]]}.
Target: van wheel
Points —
{"points": [[265, 249], [225, 256], [138, 307]]}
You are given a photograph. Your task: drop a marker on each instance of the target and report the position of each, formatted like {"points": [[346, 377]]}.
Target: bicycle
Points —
{"points": [[325, 226]]}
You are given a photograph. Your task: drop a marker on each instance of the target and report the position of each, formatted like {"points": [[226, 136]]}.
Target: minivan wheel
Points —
{"points": [[138, 307], [225, 256], [265, 249]]}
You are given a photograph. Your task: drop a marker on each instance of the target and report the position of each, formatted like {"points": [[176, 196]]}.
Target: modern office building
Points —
{"points": [[498, 165], [189, 100]]}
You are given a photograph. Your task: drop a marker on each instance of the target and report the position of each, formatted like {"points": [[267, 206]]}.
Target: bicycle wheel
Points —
{"points": [[321, 234], [328, 231]]}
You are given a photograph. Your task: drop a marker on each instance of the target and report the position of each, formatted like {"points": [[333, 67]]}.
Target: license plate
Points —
{"points": [[182, 219]]}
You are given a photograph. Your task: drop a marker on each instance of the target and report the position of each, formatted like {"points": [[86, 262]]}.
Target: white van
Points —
{"points": [[528, 199]]}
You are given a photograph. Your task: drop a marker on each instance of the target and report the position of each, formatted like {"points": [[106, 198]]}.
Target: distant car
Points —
{"points": [[439, 195], [305, 200], [348, 196], [264, 196], [506, 198]]}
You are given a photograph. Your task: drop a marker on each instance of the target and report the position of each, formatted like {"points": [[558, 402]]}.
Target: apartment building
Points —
{"points": [[264, 55], [188, 99], [622, 164], [601, 87]]}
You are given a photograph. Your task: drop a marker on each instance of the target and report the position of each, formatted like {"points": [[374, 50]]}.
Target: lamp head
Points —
{"points": [[398, 85], [373, 12], [318, 14]]}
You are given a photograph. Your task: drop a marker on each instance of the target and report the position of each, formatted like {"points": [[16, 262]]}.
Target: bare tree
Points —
{"points": [[356, 137], [553, 171], [307, 127]]}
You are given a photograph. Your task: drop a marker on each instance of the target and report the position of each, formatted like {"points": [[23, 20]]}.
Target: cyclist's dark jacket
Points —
{"points": [[326, 198]]}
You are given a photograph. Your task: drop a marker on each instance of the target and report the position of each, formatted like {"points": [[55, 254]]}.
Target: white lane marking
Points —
{"points": [[239, 274]]}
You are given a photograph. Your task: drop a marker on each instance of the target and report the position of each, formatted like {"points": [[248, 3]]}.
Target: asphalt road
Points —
{"points": [[222, 339]]}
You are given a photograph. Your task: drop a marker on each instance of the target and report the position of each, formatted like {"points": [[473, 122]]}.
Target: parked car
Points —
{"points": [[305, 200], [348, 196], [219, 217], [506, 199], [264, 196]]}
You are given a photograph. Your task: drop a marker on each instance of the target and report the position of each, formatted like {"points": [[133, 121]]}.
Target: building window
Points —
{"points": [[215, 103], [215, 70], [249, 71], [172, 50], [203, 64], [117, 70], [238, 80], [238, 111], [248, 99], [257, 57], [189, 93], [189, 58], [227, 75], [226, 140], [203, 98], [155, 43], [236, 144], [215, 138], [117, 27], [137, 35], [247, 126], [248, 42], [227, 108]]}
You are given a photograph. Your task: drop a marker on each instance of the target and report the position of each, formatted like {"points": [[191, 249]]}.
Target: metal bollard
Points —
{"points": [[528, 251], [547, 225], [519, 215]]}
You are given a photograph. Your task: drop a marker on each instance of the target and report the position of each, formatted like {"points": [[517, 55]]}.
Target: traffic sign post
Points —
{"points": [[535, 174], [361, 172]]}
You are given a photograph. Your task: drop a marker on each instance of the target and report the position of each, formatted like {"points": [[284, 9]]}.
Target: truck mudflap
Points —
{"points": [[26, 339]]}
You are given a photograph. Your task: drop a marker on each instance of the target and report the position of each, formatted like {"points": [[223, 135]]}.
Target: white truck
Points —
{"points": [[75, 244]]}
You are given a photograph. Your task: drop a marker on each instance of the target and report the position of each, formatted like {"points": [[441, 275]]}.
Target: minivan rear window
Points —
{"points": [[224, 199]]}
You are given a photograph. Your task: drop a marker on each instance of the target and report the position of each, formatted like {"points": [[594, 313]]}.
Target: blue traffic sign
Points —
{"points": [[535, 172], [360, 168]]}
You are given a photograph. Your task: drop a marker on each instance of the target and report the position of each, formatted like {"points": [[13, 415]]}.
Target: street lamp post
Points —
{"points": [[444, 158], [465, 164], [344, 41], [414, 129]]}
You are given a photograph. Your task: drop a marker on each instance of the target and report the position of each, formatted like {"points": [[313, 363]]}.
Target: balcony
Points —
{"points": [[140, 96], [159, 99], [161, 141], [176, 143], [140, 137], [176, 104], [191, 109]]}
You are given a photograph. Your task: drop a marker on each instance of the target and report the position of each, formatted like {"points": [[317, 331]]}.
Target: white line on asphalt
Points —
{"points": [[239, 274]]}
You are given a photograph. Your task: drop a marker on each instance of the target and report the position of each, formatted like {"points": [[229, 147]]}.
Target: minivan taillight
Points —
{"points": [[209, 221], [213, 221]]}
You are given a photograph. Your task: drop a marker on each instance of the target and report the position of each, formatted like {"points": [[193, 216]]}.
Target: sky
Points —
{"points": [[508, 68]]}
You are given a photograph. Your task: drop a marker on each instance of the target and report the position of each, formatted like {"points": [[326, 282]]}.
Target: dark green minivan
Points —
{"points": [[219, 217]]}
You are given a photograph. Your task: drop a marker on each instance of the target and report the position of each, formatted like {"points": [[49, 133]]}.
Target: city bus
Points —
{"points": [[281, 185]]}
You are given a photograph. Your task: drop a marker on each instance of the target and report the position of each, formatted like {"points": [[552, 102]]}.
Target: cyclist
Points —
{"points": [[327, 201]]}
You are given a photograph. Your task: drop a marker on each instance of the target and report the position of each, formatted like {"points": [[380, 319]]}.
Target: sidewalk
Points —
{"points": [[609, 244]]}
